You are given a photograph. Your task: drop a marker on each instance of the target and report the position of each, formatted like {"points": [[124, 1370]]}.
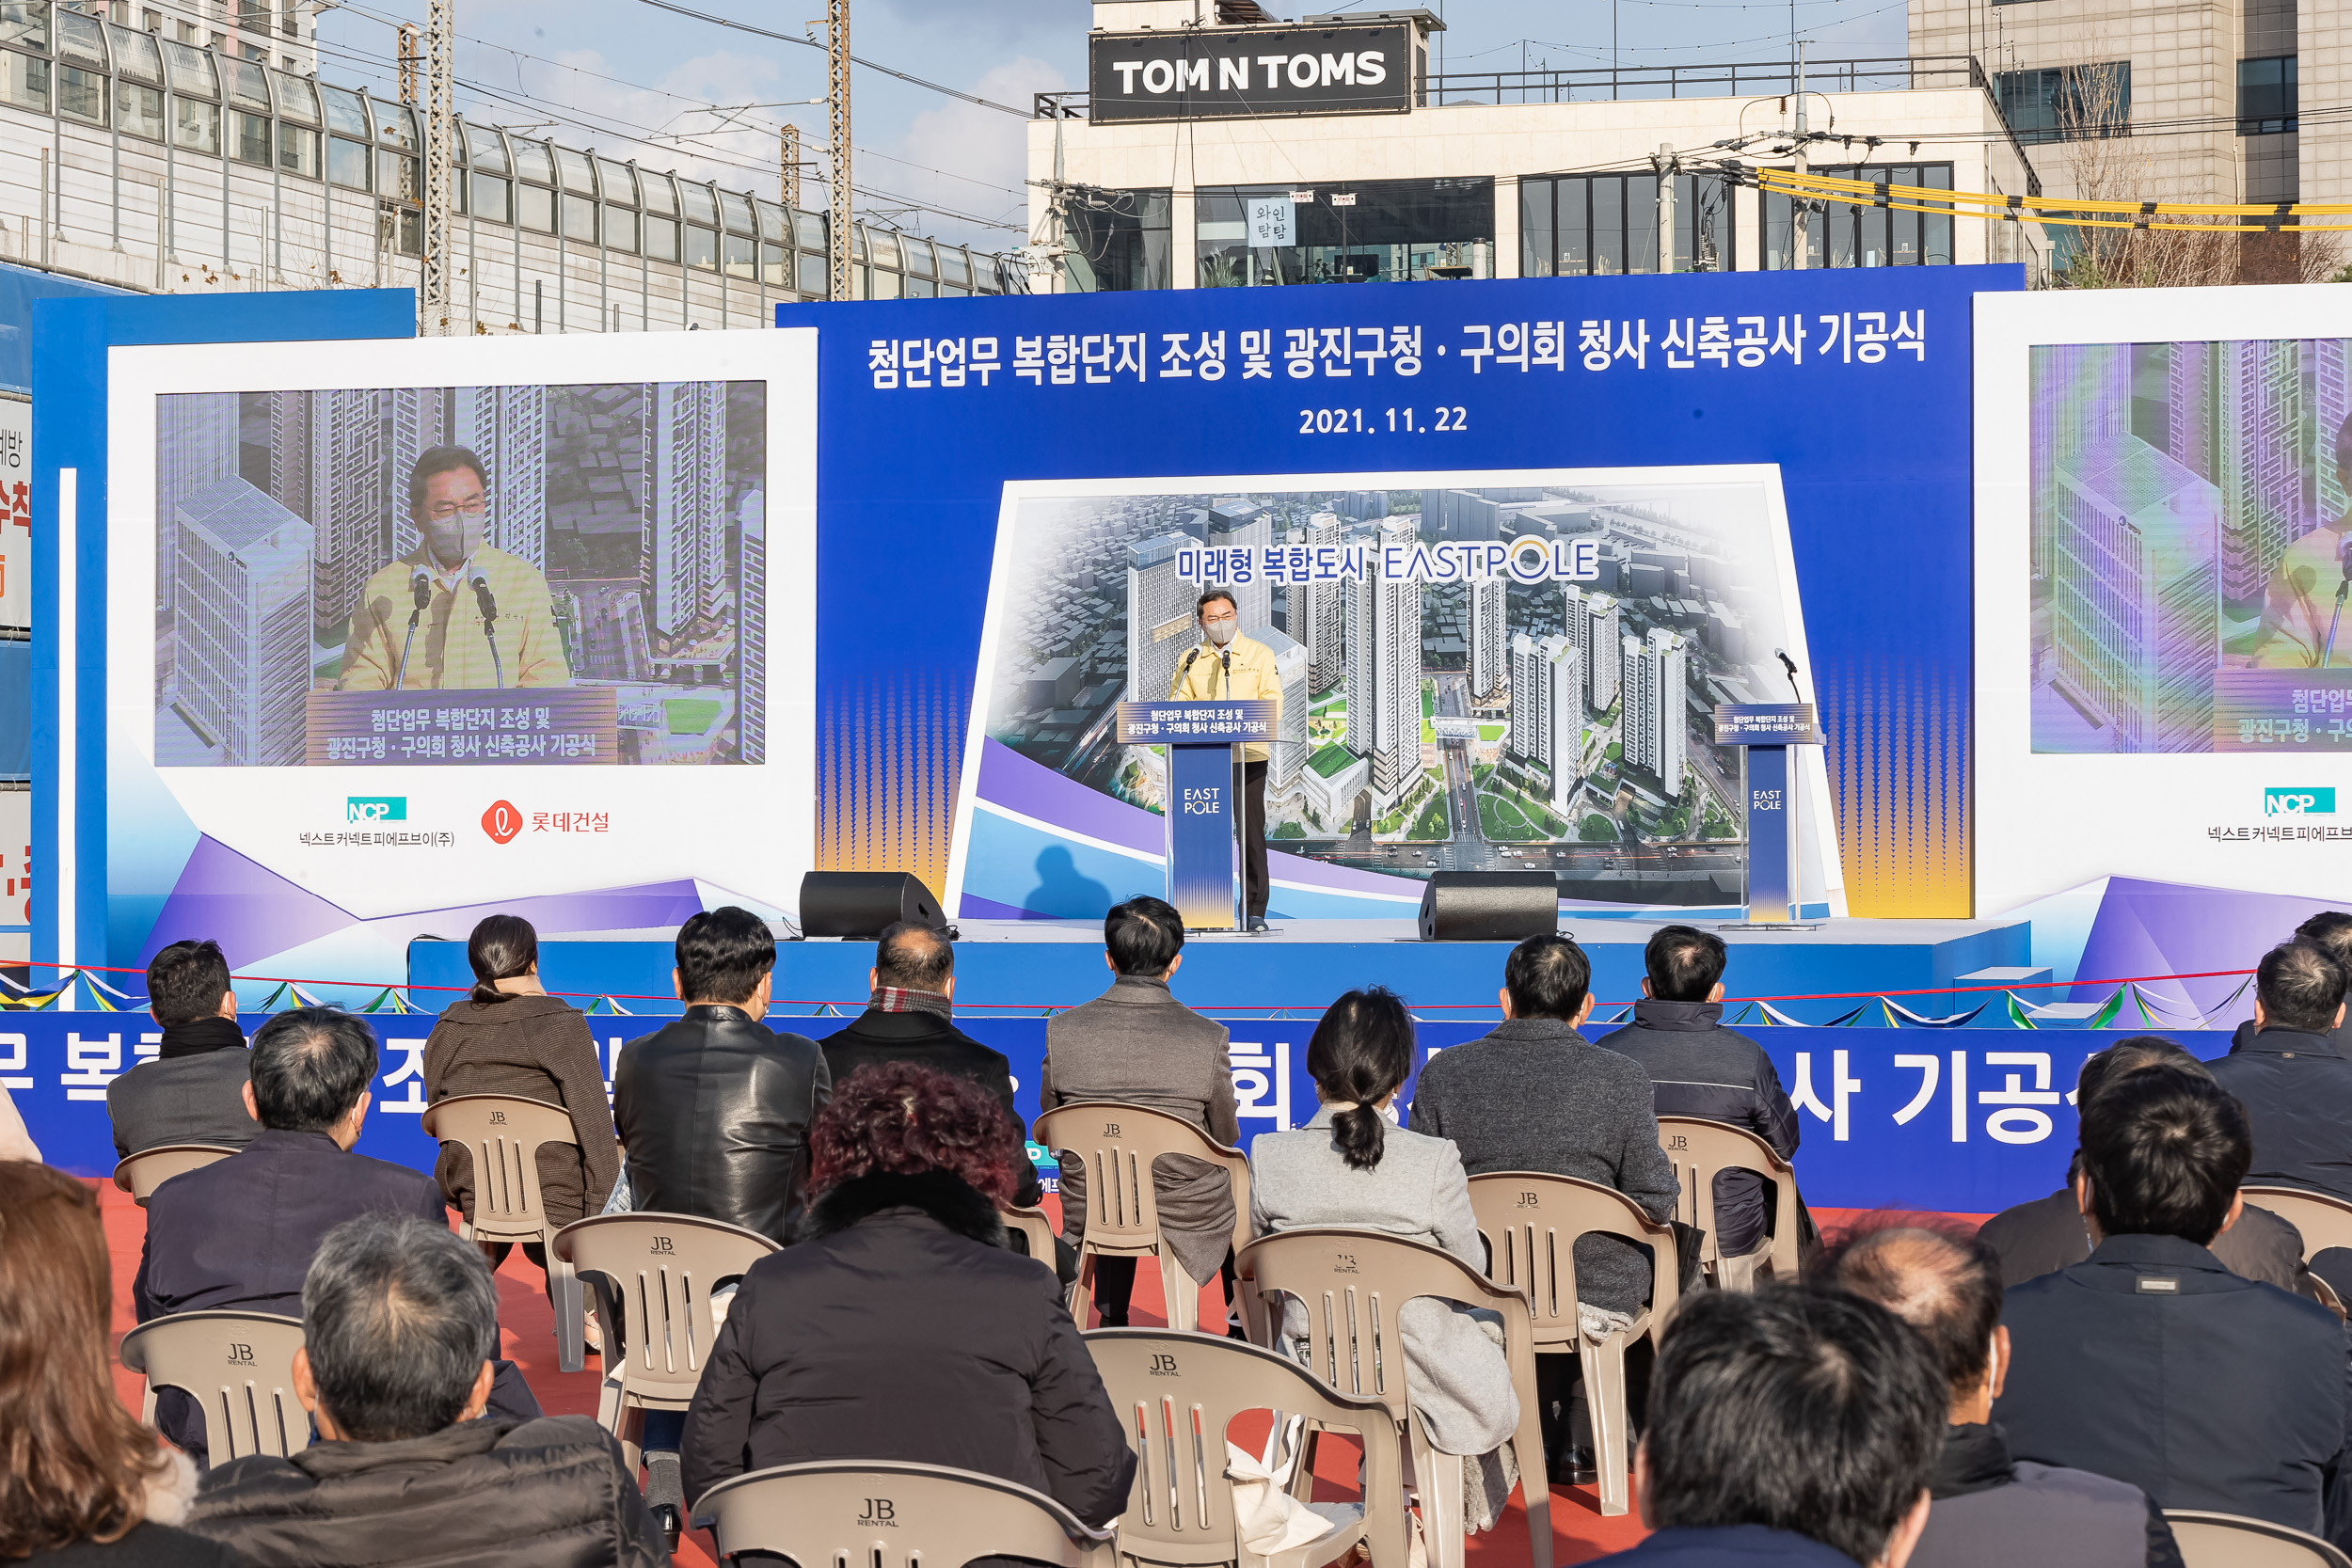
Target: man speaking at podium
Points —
{"points": [[1227, 664], [453, 614]]}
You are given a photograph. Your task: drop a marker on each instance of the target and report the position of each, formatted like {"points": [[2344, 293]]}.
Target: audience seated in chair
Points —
{"points": [[1135, 1042], [1795, 1426], [239, 1234], [1990, 1510], [1348, 1167], [1700, 1069], [2045, 1235], [400, 1327], [1535, 1095], [2284, 1069], [511, 1038], [193, 1091], [714, 1113], [2151, 1363], [82, 1481], [902, 1326]]}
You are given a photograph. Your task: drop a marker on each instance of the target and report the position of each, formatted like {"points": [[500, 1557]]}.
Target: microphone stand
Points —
{"points": [[2328, 654], [489, 608], [422, 584]]}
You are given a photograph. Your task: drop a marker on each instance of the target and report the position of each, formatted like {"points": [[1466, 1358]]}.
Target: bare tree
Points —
{"points": [[2106, 163]]}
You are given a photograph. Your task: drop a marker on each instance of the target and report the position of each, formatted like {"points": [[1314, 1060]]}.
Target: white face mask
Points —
{"points": [[1222, 632]]}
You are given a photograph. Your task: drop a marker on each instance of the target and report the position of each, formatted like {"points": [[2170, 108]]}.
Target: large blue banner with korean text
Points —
{"points": [[1911, 1119]]}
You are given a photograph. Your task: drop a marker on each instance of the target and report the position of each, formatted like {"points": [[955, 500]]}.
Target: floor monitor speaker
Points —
{"points": [[1489, 906], [859, 905]]}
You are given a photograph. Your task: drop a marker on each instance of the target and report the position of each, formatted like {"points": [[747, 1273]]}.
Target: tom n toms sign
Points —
{"points": [[1215, 72]]}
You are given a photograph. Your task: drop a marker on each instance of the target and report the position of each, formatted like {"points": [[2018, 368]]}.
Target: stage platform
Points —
{"points": [[1018, 965]]}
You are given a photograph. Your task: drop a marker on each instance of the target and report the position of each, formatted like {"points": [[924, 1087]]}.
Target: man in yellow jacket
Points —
{"points": [[1227, 664], [454, 645]]}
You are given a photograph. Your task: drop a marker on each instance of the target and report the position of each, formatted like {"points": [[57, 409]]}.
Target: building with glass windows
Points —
{"points": [[144, 148], [1214, 152]]}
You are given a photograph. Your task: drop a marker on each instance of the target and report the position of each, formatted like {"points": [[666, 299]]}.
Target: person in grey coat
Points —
{"points": [[1347, 1168], [1136, 1044], [193, 1091]]}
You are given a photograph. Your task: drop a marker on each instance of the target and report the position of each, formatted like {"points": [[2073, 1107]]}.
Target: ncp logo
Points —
{"points": [[375, 808], [2298, 802]]}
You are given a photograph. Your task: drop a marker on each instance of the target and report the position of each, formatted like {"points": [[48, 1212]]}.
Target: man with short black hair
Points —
{"points": [[399, 1335], [193, 1092], [1794, 1427], [1700, 1069], [2151, 1363], [713, 1109], [1535, 1095], [1227, 664], [2283, 1068], [908, 1019], [1992, 1510], [239, 1234], [1135, 1042]]}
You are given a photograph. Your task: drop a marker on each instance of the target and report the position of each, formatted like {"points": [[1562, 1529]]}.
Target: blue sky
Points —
{"points": [[632, 80]]}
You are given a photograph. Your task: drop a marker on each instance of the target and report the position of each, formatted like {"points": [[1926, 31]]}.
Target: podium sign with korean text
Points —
{"points": [[1765, 731], [1203, 810]]}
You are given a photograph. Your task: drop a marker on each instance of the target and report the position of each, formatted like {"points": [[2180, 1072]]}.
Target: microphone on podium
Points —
{"points": [[1790, 665], [489, 608], [421, 588]]}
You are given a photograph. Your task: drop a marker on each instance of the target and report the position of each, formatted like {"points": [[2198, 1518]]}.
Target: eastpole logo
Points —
{"points": [[375, 808], [501, 821], [2298, 802]]}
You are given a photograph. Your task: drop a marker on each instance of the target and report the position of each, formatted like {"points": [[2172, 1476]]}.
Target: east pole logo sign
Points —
{"points": [[375, 808], [2298, 802]]}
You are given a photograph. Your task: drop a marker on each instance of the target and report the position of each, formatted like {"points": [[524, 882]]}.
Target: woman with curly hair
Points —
{"points": [[81, 1482], [901, 1325]]}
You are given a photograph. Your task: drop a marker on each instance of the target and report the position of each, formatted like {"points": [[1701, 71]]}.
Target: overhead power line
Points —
{"points": [[812, 44]]}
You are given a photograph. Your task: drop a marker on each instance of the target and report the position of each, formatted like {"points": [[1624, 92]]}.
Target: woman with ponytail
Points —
{"points": [[510, 1036], [1351, 1166]]}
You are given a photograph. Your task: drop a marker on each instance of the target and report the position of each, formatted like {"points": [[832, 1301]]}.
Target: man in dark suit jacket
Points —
{"points": [[239, 1234], [1701, 1069], [2152, 1364], [193, 1091], [2045, 1235], [2284, 1069]]}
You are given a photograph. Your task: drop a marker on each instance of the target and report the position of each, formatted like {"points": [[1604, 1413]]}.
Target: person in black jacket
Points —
{"points": [[2331, 931], [238, 1235], [713, 1113], [900, 1327], [908, 1020], [2045, 1234], [1990, 1510], [1701, 1069], [399, 1328], [193, 1091], [713, 1110], [2284, 1069], [2152, 1364]]}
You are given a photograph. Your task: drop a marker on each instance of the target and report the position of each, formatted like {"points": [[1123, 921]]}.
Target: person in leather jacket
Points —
{"points": [[714, 1109]]}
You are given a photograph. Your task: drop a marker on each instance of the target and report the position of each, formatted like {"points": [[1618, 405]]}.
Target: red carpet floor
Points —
{"points": [[1579, 1531]]}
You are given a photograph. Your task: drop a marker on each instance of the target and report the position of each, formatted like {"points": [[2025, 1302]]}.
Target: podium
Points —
{"points": [[1203, 808], [1770, 734]]}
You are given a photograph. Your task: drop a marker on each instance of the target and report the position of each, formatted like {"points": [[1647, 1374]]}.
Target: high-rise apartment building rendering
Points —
{"points": [[1594, 621], [1160, 619], [1384, 672], [1319, 609], [243, 618], [418, 422], [685, 557], [1489, 605], [1242, 524], [326, 467], [1548, 709], [750, 642], [507, 428], [2134, 602], [1653, 730], [196, 443], [1288, 753]]}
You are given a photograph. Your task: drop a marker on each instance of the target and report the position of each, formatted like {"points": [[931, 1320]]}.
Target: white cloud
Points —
{"points": [[981, 153]]}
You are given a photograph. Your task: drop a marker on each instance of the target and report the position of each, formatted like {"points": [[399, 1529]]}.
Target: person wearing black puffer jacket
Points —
{"points": [[399, 1322], [1701, 1069], [901, 1326]]}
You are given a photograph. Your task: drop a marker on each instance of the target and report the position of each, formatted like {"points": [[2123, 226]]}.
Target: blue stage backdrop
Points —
{"points": [[1851, 387], [1911, 1119]]}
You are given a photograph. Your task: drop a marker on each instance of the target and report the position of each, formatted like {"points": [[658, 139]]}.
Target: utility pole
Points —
{"points": [[1665, 163], [1799, 249], [837, 128], [411, 55], [433, 297], [791, 159]]}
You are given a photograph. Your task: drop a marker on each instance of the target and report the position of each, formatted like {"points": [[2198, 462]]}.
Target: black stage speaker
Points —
{"points": [[1489, 906], [858, 905]]}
